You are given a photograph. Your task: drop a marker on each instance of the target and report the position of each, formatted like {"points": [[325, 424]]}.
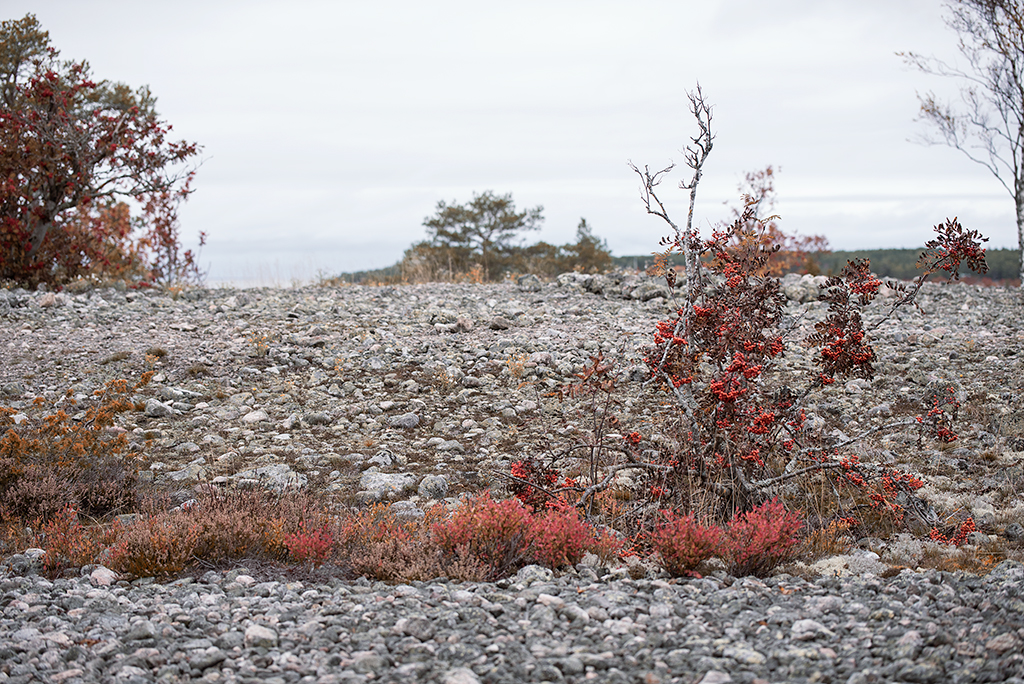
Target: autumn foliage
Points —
{"points": [[74, 153]]}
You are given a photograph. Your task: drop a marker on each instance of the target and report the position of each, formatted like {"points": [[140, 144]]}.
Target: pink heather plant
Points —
{"points": [[558, 537], [495, 533]]}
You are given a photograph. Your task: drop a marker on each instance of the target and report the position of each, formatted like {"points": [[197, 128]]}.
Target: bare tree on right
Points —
{"points": [[987, 124]]}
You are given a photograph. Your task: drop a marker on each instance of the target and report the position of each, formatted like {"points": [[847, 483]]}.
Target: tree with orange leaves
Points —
{"points": [[795, 253]]}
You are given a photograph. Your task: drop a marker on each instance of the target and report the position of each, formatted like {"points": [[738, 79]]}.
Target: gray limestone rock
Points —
{"points": [[405, 421], [433, 487], [157, 409], [379, 486], [279, 476]]}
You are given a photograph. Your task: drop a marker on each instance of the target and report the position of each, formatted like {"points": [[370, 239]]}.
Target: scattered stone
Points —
{"points": [[258, 636], [406, 511], [405, 421], [193, 472], [529, 283], [433, 487], [806, 630], [277, 477], [255, 416], [460, 675], [156, 409], [103, 577], [377, 486], [336, 368]]}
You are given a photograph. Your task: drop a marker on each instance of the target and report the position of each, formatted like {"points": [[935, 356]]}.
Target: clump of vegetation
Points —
{"points": [[50, 461], [477, 242]]}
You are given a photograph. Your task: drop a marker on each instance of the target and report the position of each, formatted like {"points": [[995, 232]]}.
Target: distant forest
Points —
{"points": [[887, 263]]}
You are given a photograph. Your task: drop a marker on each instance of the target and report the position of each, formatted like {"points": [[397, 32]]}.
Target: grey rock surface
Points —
{"points": [[576, 627]]}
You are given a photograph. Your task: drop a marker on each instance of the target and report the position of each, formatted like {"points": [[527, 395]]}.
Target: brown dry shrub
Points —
{"points": [[375, 544], [232, 524], [50, 460], [830, 540], [155, 546], [969, 559]]}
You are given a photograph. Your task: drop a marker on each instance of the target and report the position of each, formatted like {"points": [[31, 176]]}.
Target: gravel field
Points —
{"points": [[415, 394]]}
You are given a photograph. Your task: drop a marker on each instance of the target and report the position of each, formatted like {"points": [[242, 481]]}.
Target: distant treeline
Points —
{"points": [[887, 263]]}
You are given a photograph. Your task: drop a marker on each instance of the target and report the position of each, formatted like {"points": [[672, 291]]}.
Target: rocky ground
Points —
{"points": [[415, 393], [929, 627], [418, 393]]}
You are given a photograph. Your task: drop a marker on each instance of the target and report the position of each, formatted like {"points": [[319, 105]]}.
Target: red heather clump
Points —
{"points": [[761, 539], [496, 533], [558, 537], [684, 543], [67, 543], [313, 545]]}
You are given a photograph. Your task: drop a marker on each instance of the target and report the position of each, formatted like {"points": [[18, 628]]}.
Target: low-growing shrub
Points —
{"points": [[683, 543], [238, 524], [559, 537], [375, 544], [310, 544], [495, 533], [760, 540], [832, 539], [68, 543], [49, 461], [154, 546]]}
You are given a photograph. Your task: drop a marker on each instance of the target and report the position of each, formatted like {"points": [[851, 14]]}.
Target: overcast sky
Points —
{"points": [[332, 129]]}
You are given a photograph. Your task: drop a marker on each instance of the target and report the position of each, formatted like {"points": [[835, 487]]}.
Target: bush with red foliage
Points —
{"points": [[68, 544], [71, 149], [560, 538], [530, 482], [495, 533], [683, 543], [719, 355], [504, 535], [310, 544], [761, 539]]}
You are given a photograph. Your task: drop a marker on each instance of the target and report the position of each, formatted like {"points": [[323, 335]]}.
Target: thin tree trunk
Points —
{"points": [[1020, 234]]}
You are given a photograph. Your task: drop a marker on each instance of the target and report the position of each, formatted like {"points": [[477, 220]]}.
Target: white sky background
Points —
{"points": [[331, 129]]}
